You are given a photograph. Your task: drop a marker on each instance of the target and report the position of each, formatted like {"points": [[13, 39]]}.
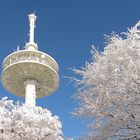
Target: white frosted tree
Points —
{"points": [[109, 89], [22, 122]]}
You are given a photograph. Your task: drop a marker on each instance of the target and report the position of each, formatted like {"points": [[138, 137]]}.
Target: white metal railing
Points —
{"points": [[30, 58]]}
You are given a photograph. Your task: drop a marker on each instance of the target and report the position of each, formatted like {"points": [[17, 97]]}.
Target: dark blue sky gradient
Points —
{"points": [[66, 29]]}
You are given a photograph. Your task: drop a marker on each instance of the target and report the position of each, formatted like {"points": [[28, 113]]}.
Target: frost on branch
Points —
{"points": [[109, 88], [27, 123]]}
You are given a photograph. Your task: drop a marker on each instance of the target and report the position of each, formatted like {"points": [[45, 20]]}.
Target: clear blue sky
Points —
{"points": [[66, 29]]}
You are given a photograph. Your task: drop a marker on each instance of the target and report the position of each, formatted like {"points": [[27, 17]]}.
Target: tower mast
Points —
{"points": [[30, 84], [32, 19]]}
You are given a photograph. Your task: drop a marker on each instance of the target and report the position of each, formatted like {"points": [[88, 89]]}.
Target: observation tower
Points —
{"points": [[30, 73]]}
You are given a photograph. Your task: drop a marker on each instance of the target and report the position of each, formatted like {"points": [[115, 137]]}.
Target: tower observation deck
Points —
{"points": [[30, 73]]}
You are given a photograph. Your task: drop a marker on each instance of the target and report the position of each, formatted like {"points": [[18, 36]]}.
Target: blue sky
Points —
{"points": [[66, 29]]}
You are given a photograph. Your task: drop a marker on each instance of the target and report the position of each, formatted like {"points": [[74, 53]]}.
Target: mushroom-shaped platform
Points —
{"points": [[25, 65]]}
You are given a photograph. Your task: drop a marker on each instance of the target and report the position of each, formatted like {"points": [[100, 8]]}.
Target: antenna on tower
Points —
{"points": [[17, 48], [32, 19], [31, 45]]}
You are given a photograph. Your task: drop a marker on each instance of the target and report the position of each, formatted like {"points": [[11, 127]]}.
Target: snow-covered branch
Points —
{"points": [[110, 87], [27, 123]]}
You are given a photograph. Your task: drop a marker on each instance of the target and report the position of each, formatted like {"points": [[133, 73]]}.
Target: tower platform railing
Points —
{"points": [[30, 56]]}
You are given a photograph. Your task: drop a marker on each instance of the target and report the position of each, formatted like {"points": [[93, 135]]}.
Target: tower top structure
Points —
{"points": [[31, 45], [30, 73], [32, 19]]}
